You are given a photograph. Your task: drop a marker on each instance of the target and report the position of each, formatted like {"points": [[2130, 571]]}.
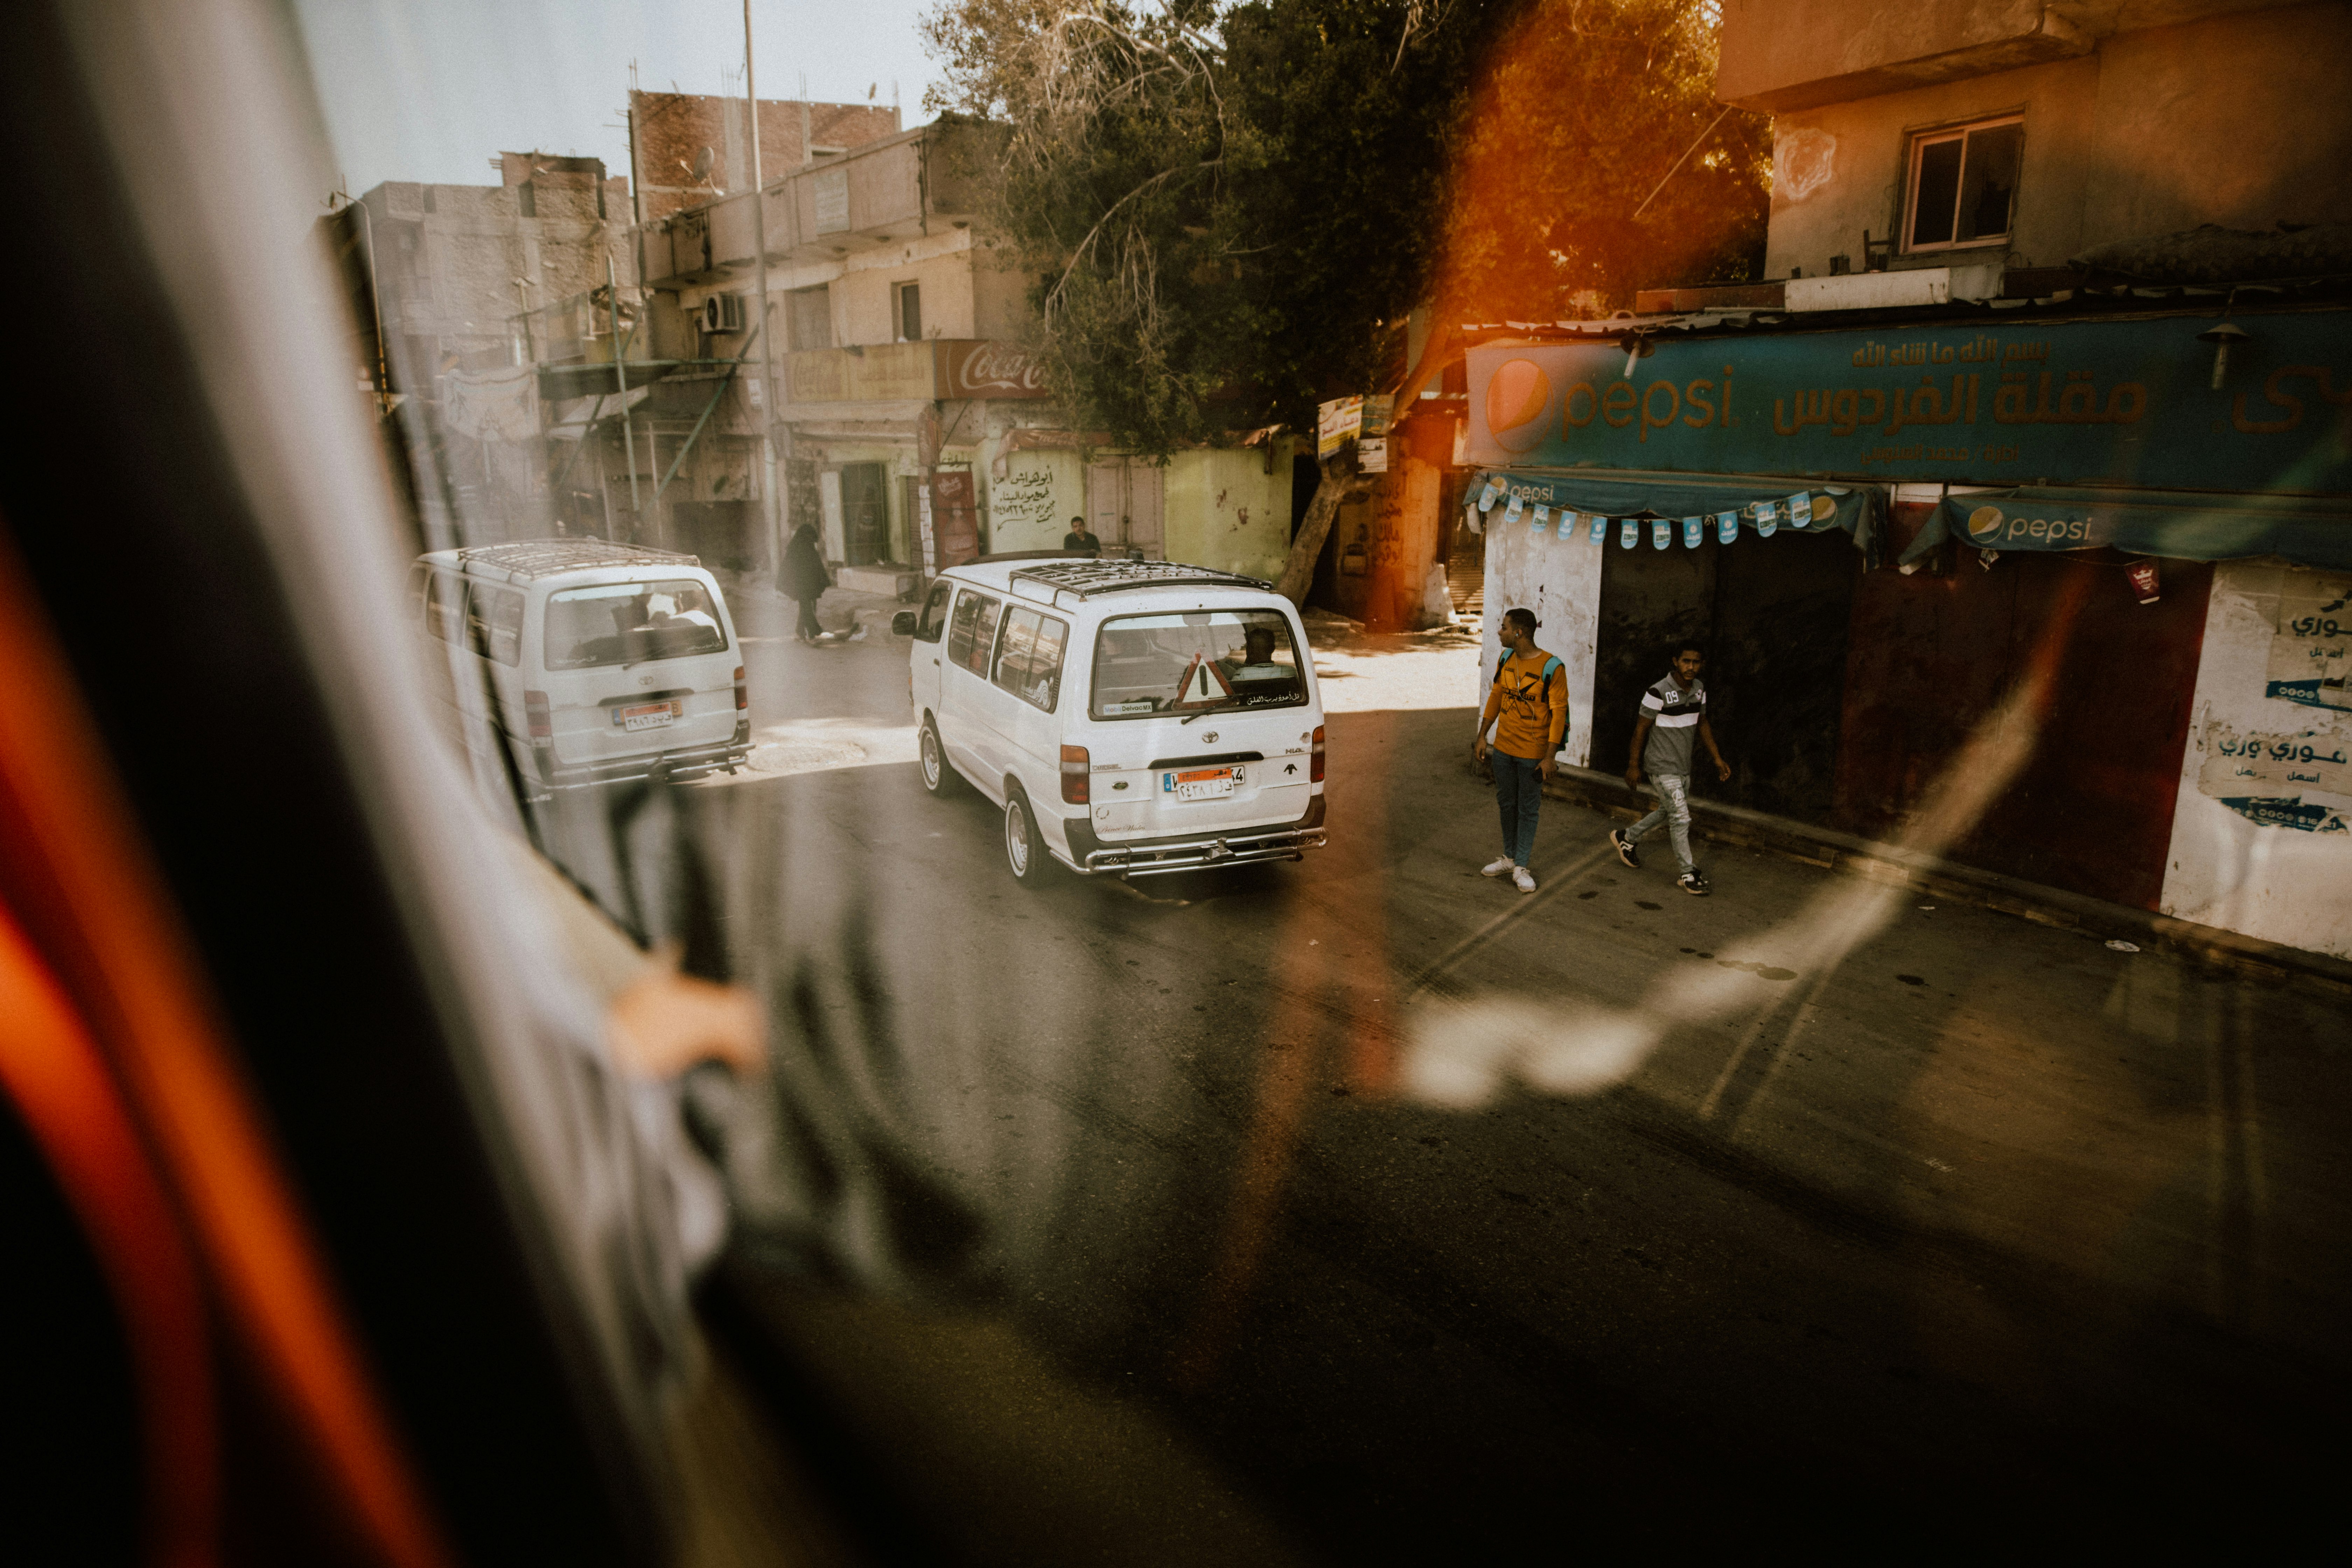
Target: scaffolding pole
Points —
{"points": [[679, 461]]}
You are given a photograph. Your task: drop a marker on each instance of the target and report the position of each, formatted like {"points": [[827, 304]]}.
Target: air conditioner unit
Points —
{"points": [[723, 313]]}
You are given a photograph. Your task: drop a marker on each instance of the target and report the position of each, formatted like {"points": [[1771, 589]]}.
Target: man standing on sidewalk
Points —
{"points": [[1673, 711], [1528, 709]]}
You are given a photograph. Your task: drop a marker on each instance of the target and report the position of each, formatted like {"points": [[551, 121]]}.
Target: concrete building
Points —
{"points": [[470, 285], [913, 427], [2034, 431]]}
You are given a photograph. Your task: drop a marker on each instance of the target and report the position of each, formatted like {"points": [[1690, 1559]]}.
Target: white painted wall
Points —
{"points": [[2286, 884], [1559, 580], [1031, 503]]}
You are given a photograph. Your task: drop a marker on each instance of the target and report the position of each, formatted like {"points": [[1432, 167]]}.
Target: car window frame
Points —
{"points": [[1027, 674], [943, 595]]}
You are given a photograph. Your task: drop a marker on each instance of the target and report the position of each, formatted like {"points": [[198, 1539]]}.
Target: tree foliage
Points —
{"points": [[1226, 210]]}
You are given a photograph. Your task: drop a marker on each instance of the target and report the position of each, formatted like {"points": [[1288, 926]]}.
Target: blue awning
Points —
{"points": [[2184, 525]]}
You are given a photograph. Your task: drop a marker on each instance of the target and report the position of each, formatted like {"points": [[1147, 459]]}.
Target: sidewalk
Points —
{"points": [[1737, 826]]}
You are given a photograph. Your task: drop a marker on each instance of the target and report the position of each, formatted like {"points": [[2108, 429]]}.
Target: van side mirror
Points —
{"points": [[903, 623]]}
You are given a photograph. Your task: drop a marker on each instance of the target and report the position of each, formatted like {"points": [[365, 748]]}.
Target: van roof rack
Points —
{"points": [[529, 558], [1088, 578]]}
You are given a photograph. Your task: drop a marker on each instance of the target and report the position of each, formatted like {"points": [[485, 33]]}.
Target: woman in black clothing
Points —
{"points": [[805, 580]]}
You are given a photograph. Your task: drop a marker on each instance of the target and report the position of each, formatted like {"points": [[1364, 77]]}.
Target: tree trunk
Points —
{"points": [[1337, 486]]}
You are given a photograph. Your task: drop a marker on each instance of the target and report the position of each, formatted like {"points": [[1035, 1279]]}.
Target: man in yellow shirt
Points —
{"points": [[1528, 710]]}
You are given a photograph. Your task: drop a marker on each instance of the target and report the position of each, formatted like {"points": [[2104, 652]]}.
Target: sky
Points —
{"points": [[434, 89]]}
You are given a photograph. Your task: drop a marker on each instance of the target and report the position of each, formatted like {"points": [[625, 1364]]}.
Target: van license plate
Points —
{"points": [[1202, 784], [651, 716]]}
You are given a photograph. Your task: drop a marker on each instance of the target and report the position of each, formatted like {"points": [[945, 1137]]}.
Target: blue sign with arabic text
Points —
{"points": [[2105, 402]]}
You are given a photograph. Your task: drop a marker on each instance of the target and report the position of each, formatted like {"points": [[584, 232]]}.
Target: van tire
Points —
{"points": [[939, 773], [1026, 855]]}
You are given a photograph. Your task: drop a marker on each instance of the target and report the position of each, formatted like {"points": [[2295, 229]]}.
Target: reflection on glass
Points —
{"points": [[630, 623]]}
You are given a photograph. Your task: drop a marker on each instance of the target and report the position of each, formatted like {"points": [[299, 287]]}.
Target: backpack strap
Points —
{"points": [[1551, 665]]}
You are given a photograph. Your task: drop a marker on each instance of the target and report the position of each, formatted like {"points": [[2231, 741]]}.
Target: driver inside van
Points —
{"points": [[1256, 661]]}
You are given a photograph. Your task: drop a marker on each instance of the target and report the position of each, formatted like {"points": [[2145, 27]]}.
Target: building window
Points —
{"points": [[1963, 187], [908, 298], [809, 317], [526, 200]]}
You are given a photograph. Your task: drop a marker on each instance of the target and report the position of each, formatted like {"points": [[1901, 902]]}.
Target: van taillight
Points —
{"points": [[1315, 763], [742, 693], [534, 713], [1074, 774]]}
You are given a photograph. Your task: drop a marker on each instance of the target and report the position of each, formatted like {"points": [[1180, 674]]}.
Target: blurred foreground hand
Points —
{"points": [[663, 1022]]}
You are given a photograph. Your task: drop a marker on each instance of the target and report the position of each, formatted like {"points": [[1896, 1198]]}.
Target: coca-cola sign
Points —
{"points": [[992, 370]]}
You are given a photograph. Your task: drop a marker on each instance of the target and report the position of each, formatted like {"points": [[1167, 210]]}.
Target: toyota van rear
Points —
{"points": [[1129, 717]]}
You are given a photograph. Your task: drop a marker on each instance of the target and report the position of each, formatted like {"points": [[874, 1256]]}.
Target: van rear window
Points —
{"points": [[631, 623], [1194, 660]]}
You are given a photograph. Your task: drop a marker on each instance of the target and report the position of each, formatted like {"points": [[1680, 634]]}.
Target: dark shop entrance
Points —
{"points": [[1773, 616]]}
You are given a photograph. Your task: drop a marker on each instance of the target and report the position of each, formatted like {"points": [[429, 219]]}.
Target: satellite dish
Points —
{"points": [[702, 162]]}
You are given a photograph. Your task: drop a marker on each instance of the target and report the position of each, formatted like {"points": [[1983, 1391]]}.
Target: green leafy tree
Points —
{"points": [[1228, 210]]}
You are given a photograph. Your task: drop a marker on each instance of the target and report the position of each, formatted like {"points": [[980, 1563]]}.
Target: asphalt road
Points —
{"points": [[1364, 1210]]}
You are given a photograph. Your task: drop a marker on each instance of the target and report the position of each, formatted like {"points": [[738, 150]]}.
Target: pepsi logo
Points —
{"points": [[1984, 523], [1520, 406]]}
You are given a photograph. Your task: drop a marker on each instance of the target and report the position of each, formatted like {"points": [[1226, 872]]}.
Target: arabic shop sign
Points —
{"points": [[2071, 401]]}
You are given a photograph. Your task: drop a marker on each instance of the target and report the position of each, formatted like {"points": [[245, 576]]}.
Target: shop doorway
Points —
{"points": [[865, 513], [1772, 614], [1124, 503]]}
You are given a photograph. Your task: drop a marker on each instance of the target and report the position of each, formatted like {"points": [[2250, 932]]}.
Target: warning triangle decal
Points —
{"points": [[1203, 683]]}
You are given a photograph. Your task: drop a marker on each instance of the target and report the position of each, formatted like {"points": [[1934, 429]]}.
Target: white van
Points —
{"points": [[576, 662], [1132, 717]]}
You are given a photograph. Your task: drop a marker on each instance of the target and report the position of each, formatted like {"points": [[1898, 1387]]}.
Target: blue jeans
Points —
{"points": [[1518, 791], [1674, 811]]}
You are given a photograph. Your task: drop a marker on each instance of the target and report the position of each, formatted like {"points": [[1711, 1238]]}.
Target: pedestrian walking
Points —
{"points": [[1080, 538], [805, 580], [1528, 710], [1674, 716]]}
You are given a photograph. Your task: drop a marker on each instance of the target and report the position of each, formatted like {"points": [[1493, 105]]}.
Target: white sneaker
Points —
{"points": [[1523, 879], [1500, 868]]}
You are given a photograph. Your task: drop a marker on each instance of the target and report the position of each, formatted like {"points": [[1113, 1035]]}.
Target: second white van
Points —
{"points": [[578, 662]]}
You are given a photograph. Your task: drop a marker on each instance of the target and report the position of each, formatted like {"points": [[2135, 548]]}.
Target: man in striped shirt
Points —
{"points": [[1673, 712]]}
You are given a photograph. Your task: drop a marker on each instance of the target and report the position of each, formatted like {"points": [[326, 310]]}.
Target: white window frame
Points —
{"points": [[1920, 142]]}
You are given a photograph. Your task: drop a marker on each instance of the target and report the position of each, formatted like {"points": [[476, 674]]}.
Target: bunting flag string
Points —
{"points": [[1801, 510]]}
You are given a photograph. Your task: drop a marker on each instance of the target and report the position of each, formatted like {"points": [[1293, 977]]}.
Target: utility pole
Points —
{"points": [[621, 379], [768, 399]]}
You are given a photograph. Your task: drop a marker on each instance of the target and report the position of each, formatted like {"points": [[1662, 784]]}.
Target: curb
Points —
{"points": [[1740, 827]]}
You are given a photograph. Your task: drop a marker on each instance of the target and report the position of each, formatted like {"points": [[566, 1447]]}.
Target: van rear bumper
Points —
{"points": [[1155, 856], [670, 767]]}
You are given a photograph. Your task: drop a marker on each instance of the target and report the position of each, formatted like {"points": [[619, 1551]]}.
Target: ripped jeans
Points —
{"points": [[1674, 811]]}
